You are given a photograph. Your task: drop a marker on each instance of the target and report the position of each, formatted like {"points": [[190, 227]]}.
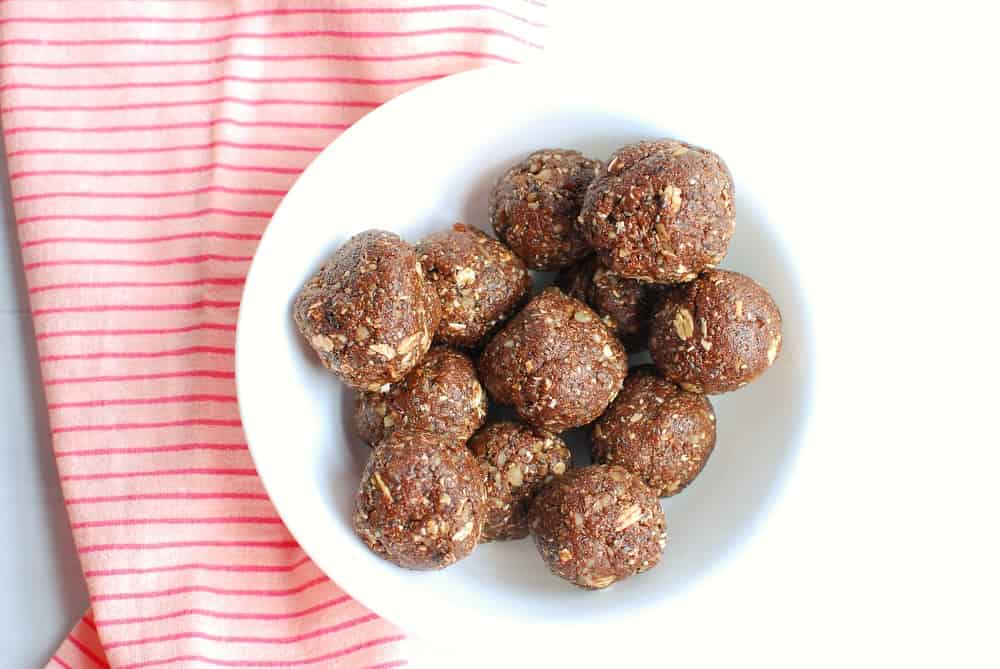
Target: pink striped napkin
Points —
{"points": [[148, 144]]}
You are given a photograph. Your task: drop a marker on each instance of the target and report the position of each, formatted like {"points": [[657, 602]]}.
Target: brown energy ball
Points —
{"points": [[624, 304], [442, 395], [555, 363], [368, 313], [715, 334], [534, 206], [657, 431], [660, 211], [598, 525], [420, 504], [479, 281], [519, 460]]}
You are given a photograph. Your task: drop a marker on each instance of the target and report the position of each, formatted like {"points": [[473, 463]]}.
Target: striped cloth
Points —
{"points": [[148, 144]]}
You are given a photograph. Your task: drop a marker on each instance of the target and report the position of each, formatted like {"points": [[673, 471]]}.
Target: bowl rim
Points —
{"points": [[527, 75]]}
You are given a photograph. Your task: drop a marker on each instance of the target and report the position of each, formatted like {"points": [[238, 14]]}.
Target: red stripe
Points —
{"points": [[192, 103], [97, 548], [171, 448], [180, 126], [59, 661], [202, 373], [189, 103], [342, 57], [89, 622], [126, 522], [211, 281], [213, 591], [190, 350], [239, 568], [143, 173], [206, 234], [182, 260], [174, 83], [298, 34], [267, 663], [97, 308], [225, 615], [166, 496], [388, 665], [187, 422], [147, 331], [155, 196], [347, 624], [86, 651], [163, 149], [104, 218], [190, 471], [417, 9], [136, 401], [182, 306]]}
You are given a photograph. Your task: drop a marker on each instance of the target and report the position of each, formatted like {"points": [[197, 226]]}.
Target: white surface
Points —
{"points": [[474, 126], [882, 117], [41, 589]]}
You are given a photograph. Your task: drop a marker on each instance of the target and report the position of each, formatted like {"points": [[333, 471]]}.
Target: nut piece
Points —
{"points": [[556, 370], [384, 350], [629, 517], [518, 460], [597, 525], [534, 206], [662, 211], [421, 501], [683, 324], [479, 281], [598, 582], [466, 530], [740, 333], [442, 395], [668, 445], [367, 313]]}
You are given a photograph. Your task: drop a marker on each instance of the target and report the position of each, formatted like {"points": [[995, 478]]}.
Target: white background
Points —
{"points": [[878, 125]]}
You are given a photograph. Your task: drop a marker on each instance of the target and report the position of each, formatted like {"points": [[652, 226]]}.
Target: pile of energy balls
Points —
{"points": [[429, 335]]}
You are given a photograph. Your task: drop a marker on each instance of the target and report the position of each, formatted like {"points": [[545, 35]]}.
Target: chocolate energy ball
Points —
{"points": [[480, 283], [442, 395], [660, 211], [715, 334], [420, 504], [519, 460], [623, 304], [598, 525], [534, 206], [657, 431], [368, 313], [555, 362]]}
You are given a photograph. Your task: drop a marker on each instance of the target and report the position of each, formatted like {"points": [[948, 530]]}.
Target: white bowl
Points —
{"points": [[416, 165]]}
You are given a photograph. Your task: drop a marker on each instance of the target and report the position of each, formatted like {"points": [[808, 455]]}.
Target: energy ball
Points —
{"points": [[715, 334], [657, 431], [624, 304], [368, 313], [598, 525], [555, 363], [442, 395], [518, 460], [420, 504], [479, 281], [660, 211], [534, 207]]}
